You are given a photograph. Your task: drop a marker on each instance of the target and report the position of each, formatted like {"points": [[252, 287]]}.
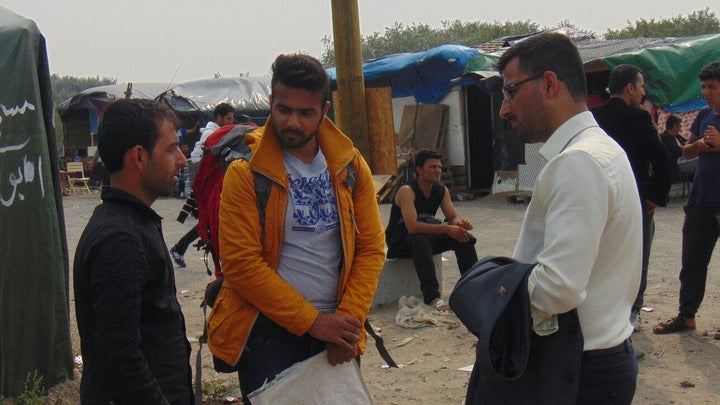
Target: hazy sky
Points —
{"points": [[151, 40]]}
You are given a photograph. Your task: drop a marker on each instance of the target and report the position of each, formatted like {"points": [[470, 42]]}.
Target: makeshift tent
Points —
{"points": [[80, 114], [248, 95], [670, 65], [34, 269], [428, 76], [671, 68]]}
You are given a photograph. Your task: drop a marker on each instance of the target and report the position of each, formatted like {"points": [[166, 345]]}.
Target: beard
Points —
{"points": [[293, 138]]}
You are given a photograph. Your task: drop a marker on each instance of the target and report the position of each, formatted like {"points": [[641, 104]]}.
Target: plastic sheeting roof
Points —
{"points": [[428, 76], [248, 95], [670, 65]]}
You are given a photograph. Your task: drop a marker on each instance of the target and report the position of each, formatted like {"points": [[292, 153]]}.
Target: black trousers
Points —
{"points": [[270, 349], [422, 247], [700, 232], [182, 245], [648, 233]]}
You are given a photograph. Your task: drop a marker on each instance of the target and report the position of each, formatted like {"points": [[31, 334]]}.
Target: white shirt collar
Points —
{"points": [[565, 133]]}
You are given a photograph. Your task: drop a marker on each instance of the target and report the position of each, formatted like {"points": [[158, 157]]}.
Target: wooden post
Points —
{"points": [[350, 108], [381, 130]]}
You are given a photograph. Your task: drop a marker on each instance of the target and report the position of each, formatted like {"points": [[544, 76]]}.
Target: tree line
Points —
{"points": [[401, 38]]}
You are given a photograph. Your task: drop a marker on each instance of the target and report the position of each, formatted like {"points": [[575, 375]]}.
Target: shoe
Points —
{"points": [[716, 336], [440, 306], [676, 324], [635, 321], [177, 257]]}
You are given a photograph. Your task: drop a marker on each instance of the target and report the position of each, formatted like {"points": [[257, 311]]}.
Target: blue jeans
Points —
{"points": [[700, 232], [270, 349], [608, 378]]}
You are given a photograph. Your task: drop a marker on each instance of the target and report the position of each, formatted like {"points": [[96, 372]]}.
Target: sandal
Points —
{"points": [[716, 336], [676, 324], [440, 306]]}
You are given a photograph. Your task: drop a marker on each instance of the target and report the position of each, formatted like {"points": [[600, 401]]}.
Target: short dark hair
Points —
{"points": [[222, 110], [423, 155], [710, 71], [621, 76], [553, 52], [301, 71], [672, 120], [127, 123]]}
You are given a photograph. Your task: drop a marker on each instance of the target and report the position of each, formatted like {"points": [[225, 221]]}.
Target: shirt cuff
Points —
{"points": [[542, 323]]}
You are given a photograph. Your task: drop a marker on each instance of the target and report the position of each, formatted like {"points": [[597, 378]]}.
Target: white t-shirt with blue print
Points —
{"points": [[312, 247]]}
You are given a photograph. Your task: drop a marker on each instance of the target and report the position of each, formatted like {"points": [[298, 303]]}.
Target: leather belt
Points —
{"points": [[622, 347]]}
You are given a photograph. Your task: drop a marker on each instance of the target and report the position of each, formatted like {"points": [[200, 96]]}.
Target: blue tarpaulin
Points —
{"points": [[428, 76]]}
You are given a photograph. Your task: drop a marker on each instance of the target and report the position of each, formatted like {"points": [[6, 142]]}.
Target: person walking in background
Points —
{"points": [[701, 228], [132, 330], [583, 224], [414, 232], [303, 283], [224, 114], [624, 119]]}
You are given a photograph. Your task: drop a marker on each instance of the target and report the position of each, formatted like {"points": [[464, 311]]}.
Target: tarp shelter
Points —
{"points": [[428, 75], [34, 265], [670, 68], [670, 65], [248, 95], [81, 114]]}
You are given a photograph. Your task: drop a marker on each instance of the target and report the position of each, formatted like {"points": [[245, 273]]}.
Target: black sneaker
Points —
{"points": [[177, 257]]}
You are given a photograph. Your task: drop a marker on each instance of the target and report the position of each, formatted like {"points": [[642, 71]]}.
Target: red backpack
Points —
{"points": [[221, 148]]}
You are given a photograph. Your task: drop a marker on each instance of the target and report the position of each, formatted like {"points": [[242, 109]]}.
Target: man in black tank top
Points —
{"points": [[413, 232]]}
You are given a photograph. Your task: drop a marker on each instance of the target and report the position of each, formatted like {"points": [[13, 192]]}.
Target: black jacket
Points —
{"points": [[634, 130], [514, 365], [672, 146], [132, 331]]}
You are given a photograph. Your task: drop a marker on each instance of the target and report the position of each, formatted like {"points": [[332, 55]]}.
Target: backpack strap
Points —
{"points": [[263, 185], [350, 181]]}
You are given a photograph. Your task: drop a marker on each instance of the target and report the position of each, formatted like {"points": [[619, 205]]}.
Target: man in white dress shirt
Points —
{"points": [[583, 224]]}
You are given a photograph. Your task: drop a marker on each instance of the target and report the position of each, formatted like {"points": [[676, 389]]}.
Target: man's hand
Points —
{"points": [[464, 223], [339, 329], [458, 233], [711, 137], [650, 206], [337, 355]]}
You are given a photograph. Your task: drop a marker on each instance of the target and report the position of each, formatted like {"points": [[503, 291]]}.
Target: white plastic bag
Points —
{"points": [[315, 381]]}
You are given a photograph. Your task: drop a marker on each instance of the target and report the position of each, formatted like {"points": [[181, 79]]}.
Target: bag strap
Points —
{"points": [[380, 346]]}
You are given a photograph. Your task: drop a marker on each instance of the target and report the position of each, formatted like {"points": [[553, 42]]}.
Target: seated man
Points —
{"points": [[414, 232]]}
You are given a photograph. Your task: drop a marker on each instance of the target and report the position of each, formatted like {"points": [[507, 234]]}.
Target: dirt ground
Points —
{"points": [[677, 369]]}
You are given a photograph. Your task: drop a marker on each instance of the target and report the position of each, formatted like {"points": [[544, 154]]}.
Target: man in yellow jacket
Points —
{"points": [[303, 283]]}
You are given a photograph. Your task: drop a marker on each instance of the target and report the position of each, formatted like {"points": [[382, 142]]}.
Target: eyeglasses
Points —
{"points": [[512, 88]]}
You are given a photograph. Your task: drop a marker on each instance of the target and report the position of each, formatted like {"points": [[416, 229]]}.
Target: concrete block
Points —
{"points": [[399, 278]]}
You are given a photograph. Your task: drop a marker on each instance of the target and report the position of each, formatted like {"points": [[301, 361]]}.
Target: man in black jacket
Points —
{"points": [[132, 331], [631, 126]]}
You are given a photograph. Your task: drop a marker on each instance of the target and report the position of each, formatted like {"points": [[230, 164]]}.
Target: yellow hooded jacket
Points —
{"points": [[251, 284]]}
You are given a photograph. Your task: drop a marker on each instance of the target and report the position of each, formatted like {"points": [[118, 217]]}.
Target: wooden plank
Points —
{"points": [[423, 126], [381, 130], [380, 181], [389, 191]]}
